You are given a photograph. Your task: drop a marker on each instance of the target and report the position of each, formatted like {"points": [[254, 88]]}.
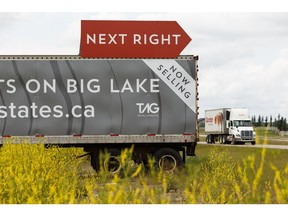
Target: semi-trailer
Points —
{"points": [[229, 125], [102, 105]]}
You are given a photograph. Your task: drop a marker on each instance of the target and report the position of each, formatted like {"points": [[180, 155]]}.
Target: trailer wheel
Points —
{"points": [[167, 159], [221, 139], [110, 163]]}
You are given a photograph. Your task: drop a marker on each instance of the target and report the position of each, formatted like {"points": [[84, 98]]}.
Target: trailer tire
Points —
{"points": [[208, 139], [167, 159], [221, 139], [213, 138], [111, 163]]}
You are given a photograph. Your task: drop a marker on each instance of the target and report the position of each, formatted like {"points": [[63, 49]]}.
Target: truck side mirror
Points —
{"points": [[227, 124]]}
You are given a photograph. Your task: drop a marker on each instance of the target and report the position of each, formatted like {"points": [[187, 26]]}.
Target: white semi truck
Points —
{"points": [[228, 125]]}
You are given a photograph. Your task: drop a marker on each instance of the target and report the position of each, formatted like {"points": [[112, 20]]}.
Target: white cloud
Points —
{"points": [[243, 56], [260, 87]]}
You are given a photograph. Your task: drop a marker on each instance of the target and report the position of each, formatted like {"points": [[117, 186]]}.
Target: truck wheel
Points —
{"points": [[212, 139], [233, 141], [167, 159], [225, 141], [111, 163], [253, 142]]}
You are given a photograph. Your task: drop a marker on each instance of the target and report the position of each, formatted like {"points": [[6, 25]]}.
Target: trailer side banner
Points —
{"points": [[97, 96]]}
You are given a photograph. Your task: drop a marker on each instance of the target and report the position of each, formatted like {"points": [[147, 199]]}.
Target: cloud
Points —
{"points": [[45, 33], [261, 88], [8, 19], [243, 56]]}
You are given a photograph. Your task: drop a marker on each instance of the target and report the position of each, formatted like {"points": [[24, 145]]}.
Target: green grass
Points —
{"points": [[263, 131], [270, 136], [276, 157], [258, 175], [262, 134]]}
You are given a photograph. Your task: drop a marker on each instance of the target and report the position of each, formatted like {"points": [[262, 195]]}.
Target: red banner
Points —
{"points": [[132, 39]]}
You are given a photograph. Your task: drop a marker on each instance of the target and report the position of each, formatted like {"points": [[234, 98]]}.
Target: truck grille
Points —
{"points": [[247, 135]]}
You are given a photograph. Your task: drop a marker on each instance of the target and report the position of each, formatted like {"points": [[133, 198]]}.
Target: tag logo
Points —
{"points": [[148, 109]]}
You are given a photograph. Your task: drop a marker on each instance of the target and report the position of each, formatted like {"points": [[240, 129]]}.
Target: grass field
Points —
{"points": [[273, 157], [263, 134], [33, 174]]}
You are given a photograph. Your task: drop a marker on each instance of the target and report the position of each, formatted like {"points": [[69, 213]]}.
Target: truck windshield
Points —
{"points": [[242, 123]]}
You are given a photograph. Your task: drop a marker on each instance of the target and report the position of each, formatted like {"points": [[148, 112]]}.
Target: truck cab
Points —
{"points": [[240, 127]]}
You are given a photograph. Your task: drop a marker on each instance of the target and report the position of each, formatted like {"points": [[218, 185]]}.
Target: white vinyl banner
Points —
{"points": [[178, 80]]}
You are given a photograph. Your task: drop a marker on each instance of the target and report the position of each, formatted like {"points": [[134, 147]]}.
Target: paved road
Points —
{"points": [[250, 146]]}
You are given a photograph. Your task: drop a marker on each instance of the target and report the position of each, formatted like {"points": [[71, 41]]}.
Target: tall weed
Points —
{"points": [[33, 174]]}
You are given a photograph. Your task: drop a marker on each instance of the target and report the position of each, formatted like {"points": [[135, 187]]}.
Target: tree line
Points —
{"points": [[280, 122]]}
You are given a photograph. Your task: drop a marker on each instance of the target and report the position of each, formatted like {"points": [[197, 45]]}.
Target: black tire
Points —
{"points": [[233, 141], [221, 139], [253, 143], [208, 139], [212, 139], [111, 163], [225, 140], [167, 159]]}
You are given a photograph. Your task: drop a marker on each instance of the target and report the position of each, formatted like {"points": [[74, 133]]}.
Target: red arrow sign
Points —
{"points": [[132, 39]]}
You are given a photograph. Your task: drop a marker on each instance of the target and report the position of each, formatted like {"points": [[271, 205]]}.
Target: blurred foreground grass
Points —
{"points": [[32, 174]]}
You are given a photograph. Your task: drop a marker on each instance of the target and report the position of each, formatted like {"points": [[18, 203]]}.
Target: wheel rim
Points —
{"points": [[112, 164], [167, 163]]}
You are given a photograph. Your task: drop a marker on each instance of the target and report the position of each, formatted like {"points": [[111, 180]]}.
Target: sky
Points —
{"points": [[242, 55]]}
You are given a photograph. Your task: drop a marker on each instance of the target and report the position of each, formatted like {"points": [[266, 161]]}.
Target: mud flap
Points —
{"points": [[191, 149]]}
